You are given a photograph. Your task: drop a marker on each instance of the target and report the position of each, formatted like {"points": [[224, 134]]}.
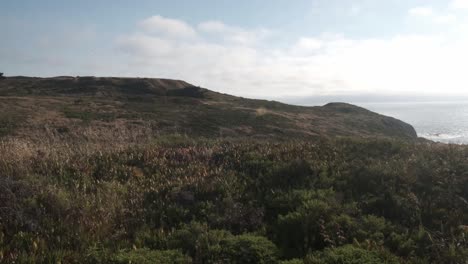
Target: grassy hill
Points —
{"points": [[66, 105], [120, 170]]}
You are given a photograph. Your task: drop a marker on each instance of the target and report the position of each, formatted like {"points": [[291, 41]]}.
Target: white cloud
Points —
{"points": [[459, 4], [167, 26], [313, 65], [445, 19], [421, 11], [234, 34], [434, 17], [145, 45], [307, 46]]}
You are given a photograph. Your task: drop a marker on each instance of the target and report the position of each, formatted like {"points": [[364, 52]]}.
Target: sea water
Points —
{"points": [[438, 121]]}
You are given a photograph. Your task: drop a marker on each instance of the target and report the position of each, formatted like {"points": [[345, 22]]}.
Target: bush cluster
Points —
{"points": [[329, 201]]}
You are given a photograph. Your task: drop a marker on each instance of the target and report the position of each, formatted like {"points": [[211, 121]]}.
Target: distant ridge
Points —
{"points": [[64, 103], [89, 85]]}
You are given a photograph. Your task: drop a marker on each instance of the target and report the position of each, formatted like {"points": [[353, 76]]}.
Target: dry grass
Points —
{"points": [[102, 188], [65, 104], [261, 111]]}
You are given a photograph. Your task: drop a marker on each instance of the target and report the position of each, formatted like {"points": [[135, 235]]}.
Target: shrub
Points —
{"points": [[350, 255], [304, 229], [220, 246], [140, 256], [182, 199], [196, 240], [248, 249], [292, 261]]}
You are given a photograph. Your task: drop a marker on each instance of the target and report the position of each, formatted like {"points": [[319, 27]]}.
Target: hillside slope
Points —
{"points": [[66, 106], [91, 173]]}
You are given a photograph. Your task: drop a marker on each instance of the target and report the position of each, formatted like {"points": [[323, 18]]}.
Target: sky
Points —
{"points": [[254, 48]]}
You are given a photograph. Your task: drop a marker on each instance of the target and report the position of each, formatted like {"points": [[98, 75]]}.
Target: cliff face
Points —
{"points": [[65, 105], [361, 118]]}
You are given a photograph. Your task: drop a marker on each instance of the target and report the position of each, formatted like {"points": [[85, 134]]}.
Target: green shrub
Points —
{"points": [[140, 256], [350, 255], [196, 240], [57, 199], [248, 249], [292, 261], [305, 228]]}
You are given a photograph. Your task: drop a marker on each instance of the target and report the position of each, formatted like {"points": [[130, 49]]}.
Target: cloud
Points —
{"points": [[167, 26], [445, 19], [434, 17], [420, 11], [323, 64], [250, 61], [459, 4], [232, 34], [307, 46], [145, 45]]}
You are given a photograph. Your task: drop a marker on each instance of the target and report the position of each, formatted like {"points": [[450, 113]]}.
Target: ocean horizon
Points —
{"points": [[444, 121]]}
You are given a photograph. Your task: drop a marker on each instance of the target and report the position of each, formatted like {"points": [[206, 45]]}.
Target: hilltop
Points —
{"points": [[65, 105]]}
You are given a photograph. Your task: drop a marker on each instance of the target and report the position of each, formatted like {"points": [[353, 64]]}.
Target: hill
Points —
{"points": [[68, 106], [127, 170]]}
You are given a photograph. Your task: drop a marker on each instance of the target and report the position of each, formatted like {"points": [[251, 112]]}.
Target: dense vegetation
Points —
{"points": [[181, 200], [101, 170]]}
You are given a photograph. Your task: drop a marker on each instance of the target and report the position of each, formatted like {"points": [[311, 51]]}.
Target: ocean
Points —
{"points": [[438, 121]]}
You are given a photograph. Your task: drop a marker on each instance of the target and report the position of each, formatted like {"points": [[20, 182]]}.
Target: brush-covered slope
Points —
{"points": [[147, 107]]}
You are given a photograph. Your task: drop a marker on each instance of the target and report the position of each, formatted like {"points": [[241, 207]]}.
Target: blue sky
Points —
{"points": [[252, 48]]}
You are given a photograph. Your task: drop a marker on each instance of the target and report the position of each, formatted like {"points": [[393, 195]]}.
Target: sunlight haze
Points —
{"points": [[247, 48]]}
